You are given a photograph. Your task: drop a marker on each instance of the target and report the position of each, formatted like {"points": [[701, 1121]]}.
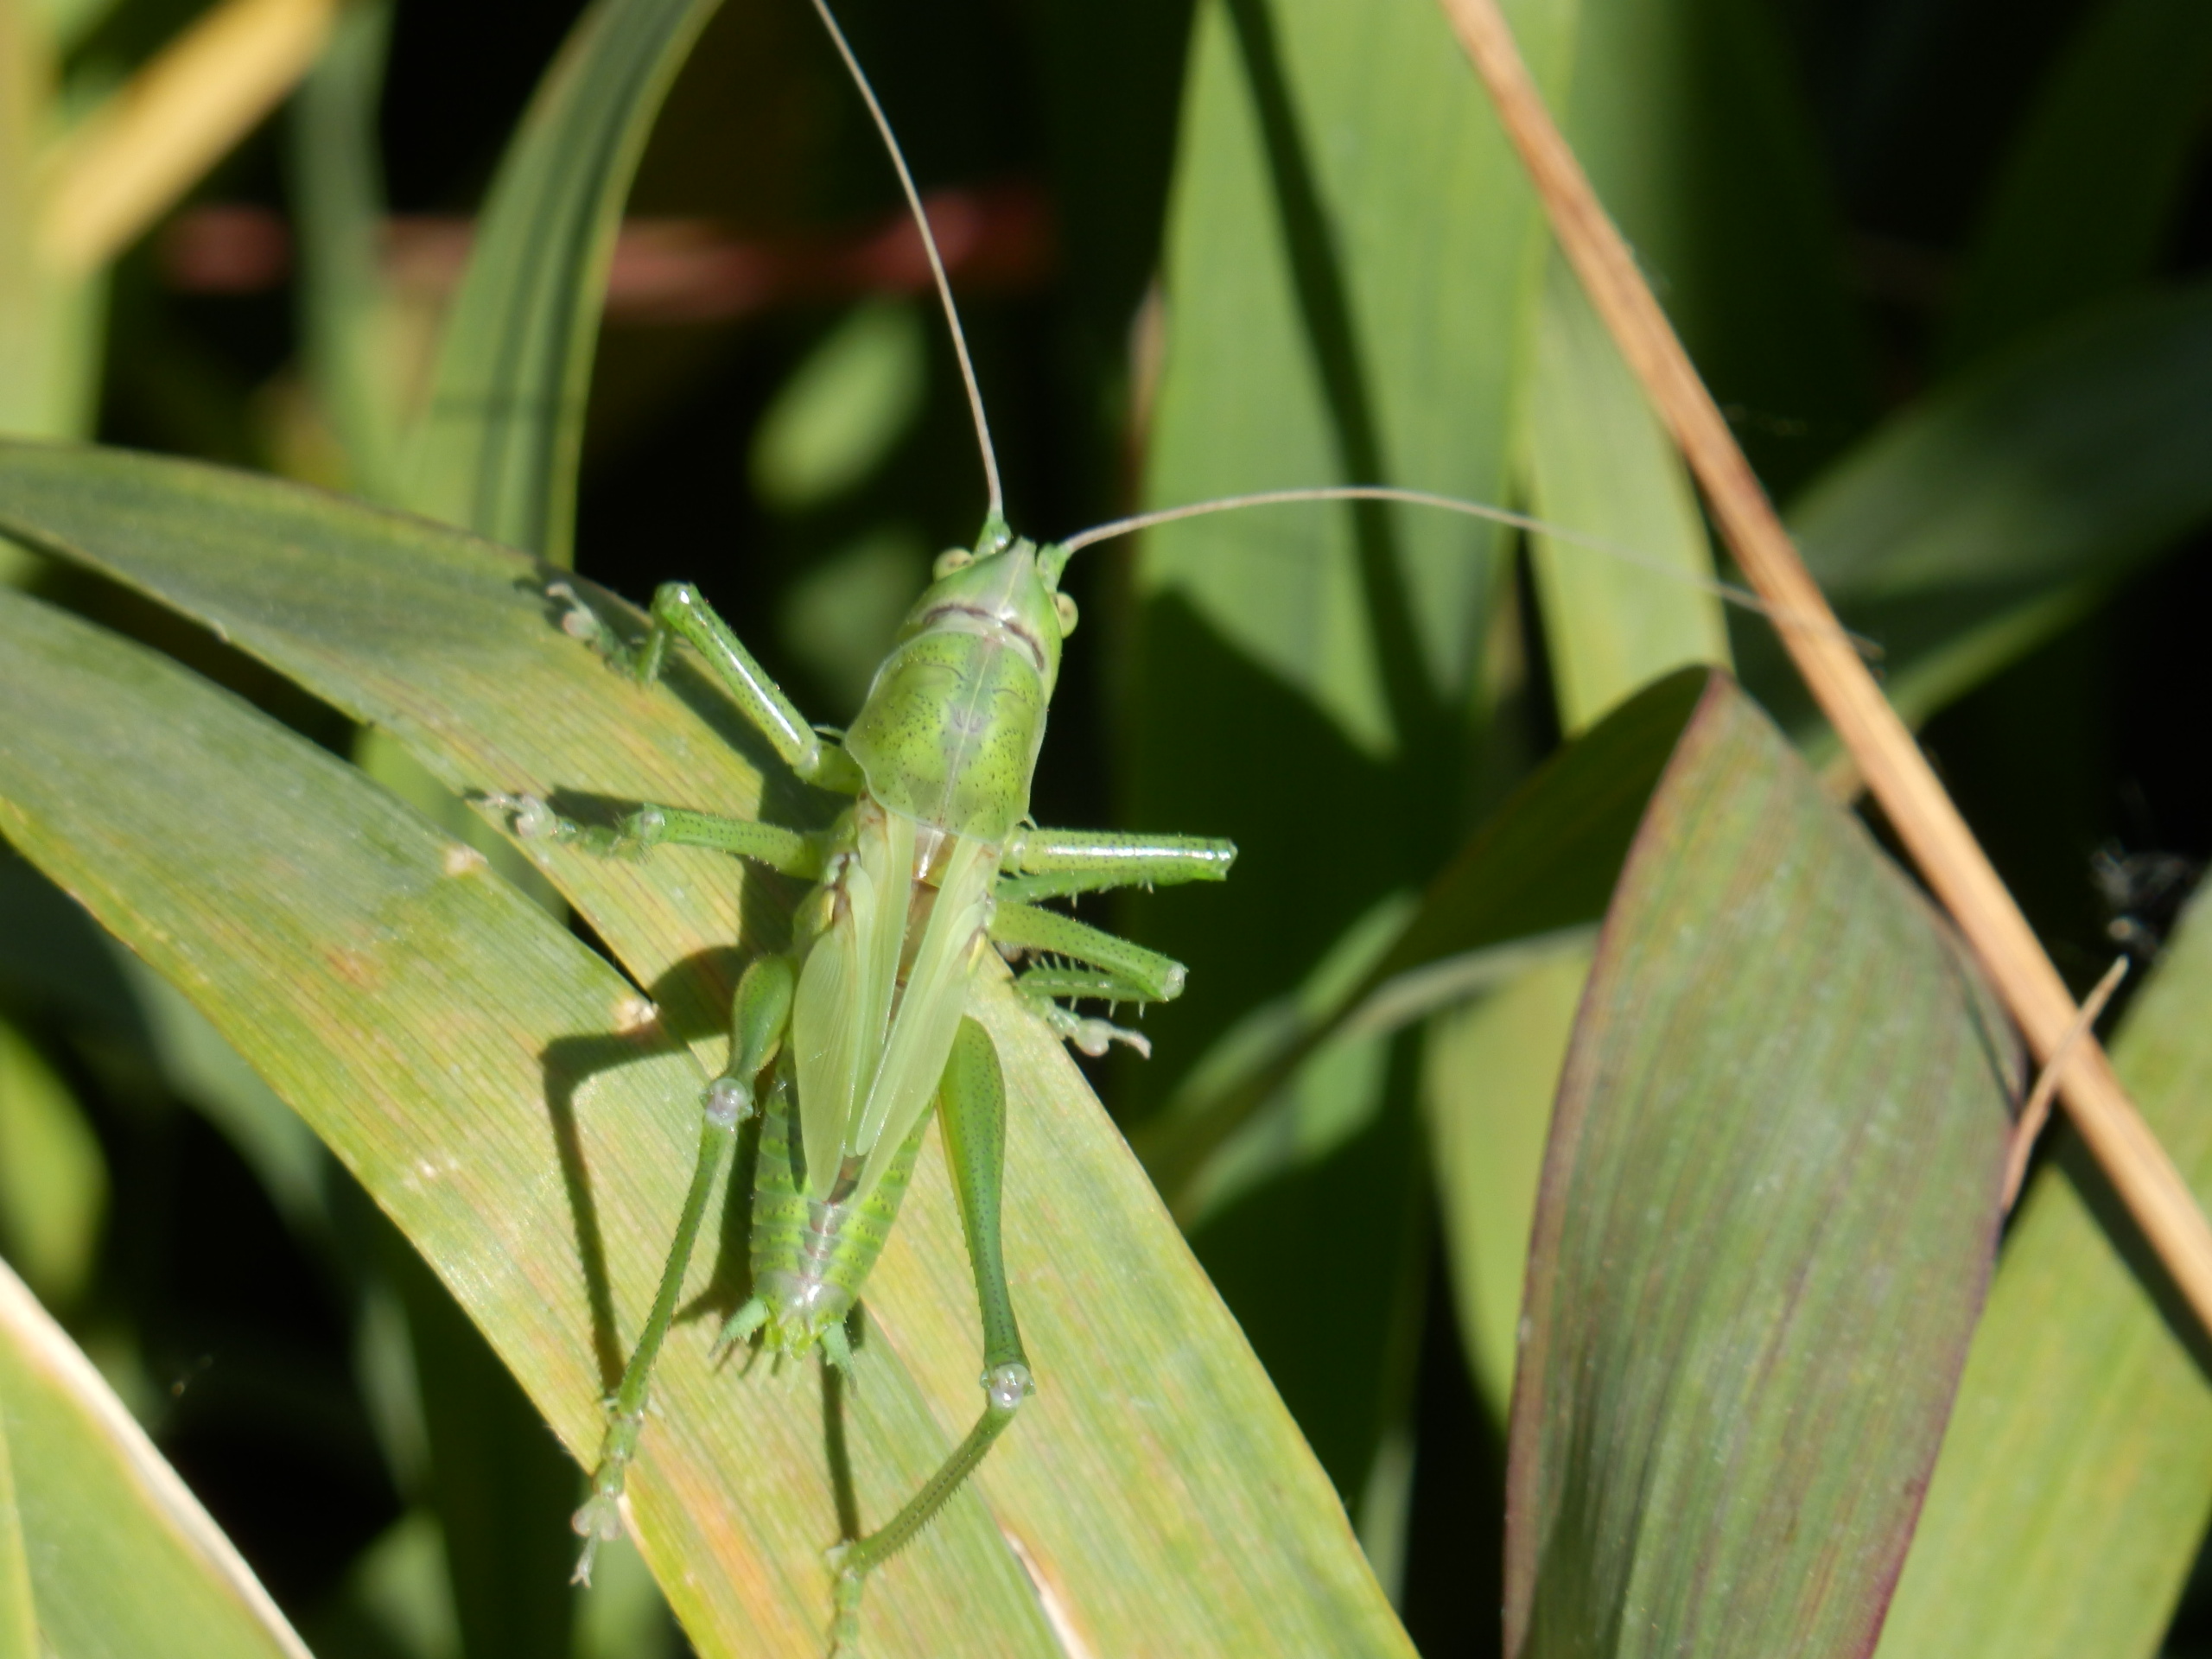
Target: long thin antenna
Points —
{"points": [[997, 511], [1728, 592]]}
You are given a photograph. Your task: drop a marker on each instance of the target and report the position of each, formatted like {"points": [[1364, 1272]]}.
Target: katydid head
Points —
{"points": [[1006, 586], [949, 734]]}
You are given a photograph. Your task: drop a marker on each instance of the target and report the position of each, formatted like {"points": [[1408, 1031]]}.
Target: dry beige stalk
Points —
{"points": [[2034, 1114], [135, 154], [1896, 774]]}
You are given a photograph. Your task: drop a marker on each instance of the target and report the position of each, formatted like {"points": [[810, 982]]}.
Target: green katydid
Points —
{"points": [[840, 1047]]}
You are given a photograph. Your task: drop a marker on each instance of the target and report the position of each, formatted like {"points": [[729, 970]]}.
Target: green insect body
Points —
{"points": [[842, 1045]]}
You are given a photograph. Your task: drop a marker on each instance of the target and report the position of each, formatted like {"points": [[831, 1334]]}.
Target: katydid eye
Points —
{"points": [[1066, 606], [952, 559]]}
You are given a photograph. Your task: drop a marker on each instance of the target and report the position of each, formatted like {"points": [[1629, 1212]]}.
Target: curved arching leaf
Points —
{"points": [[1155, 1452], [496, 448], [103, 1549], [1769, 1212], [2076, 1481], [1977, 523]]}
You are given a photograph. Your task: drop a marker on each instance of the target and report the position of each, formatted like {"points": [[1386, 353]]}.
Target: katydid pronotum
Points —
{"points": [[841, 1045]]}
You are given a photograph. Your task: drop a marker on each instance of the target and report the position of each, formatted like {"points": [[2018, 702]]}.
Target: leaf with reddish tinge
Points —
{"points": [[1768, 1209]]}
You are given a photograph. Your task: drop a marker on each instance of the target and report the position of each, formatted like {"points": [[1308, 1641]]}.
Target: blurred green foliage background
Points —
{"points": [[774, 415]]}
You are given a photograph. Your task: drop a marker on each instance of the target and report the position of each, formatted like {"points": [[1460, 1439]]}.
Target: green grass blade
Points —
{"points": [[1352, 252], [1155, 1453], [113, 1555], [1768, 1215], [2086, 200], [19, 1611], [1542, 867], [1490, 1073], [1600, 463], [491, 1082], [351, 353], [2075, 1486], [441, 640], [497, 447], [1546, 862], [1339, 313], [1691, 119], [50, 322], [1976, 524]]}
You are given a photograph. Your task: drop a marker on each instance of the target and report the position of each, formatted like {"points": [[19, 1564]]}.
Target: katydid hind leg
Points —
{"points": [[971, 1112], [759, 1018]]}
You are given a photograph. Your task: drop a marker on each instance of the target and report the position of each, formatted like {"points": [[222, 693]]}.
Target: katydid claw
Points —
{"points": [[598, 1522]]}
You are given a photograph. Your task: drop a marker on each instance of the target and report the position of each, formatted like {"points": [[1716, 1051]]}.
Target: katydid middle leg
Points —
{"points": [[761, 1014], [1054, 863], [971, 1112], [1058, 863]]}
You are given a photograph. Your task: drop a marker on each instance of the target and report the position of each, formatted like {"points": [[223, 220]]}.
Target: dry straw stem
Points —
{"points": [[1896, 774], [2033, 1114], [142, 149]]}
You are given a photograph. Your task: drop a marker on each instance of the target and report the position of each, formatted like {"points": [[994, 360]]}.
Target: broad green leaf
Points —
{"points": [[440, 638], [2077, 1480], [1600, 463], [1351, 250], [121, 1559], [2093, 182], [1545, 864], [1769, 1210], [502, 1485], [1489, 1073], [53, 1179], [1689, 116], [1538, 871], [497, 447], [59, 961], [1131, 1533], [1351, 255], [1977, 523], [501, 1091]]}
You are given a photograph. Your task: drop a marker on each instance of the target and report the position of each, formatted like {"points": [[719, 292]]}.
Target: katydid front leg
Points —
{"points": [[761, 1014], [971, 1112], [678, 612]]}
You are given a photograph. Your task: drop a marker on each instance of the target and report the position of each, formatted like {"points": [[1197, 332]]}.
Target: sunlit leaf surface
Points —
{"points": [[1155, 1453]]}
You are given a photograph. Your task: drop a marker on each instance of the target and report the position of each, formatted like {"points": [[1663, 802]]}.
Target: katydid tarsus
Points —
{"points": [[841, 1045]]}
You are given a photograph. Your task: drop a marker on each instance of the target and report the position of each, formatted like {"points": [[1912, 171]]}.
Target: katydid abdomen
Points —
{"points": [[810, 1256]]}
